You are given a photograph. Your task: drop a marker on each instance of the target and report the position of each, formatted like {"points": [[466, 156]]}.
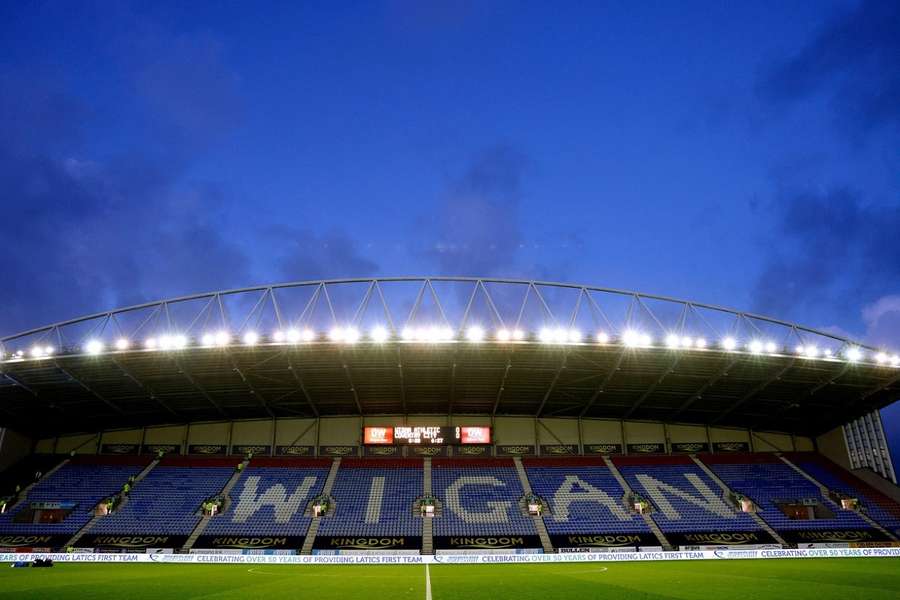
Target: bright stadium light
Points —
{"points": [[771, 347], [756, 346], [811, 351], [518, 335], [700, 342], [827, 352], [150, 343], [179, 341], [602, 337], [278, 336], [336, 334], [560, 335], [122, 344], [94, 347], [351, 335], [729, 343], [895, 361], [222, 338], [503, 335], [853, 354], [408, 334], [687, 342], [631, 338], [379, 334], [49, 350], [646, 340], [574, 336], [546, 335], [251, 338], [881, 358], [673, 341], [308, 335], [293, 336], [475, 333], [208, 339], [37, 352]]}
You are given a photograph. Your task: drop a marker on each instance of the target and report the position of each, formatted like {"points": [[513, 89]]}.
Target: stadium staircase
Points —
{"points": [[24, 492], [538, 520], [427, 522], [204, 520], [827, 497], [96, 519], [759, 520], [326, 491], [647, 519]]}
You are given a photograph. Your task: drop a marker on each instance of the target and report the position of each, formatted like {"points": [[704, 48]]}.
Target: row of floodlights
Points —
{"points": [[474, 334]]}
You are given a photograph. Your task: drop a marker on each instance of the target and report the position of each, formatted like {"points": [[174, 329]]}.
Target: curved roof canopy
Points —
{"points": [[436, 345]]}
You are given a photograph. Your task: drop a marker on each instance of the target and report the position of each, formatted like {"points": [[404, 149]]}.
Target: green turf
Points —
{"points": [[819, 579]]}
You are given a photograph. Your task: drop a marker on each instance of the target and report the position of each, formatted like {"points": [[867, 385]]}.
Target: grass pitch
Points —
{"points": [[819, 579]]}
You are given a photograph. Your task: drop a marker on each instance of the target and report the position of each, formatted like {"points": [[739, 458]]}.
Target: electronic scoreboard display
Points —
{"points": [[426, 436]]}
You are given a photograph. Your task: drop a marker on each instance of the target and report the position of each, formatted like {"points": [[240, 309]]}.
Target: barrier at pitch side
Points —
{"points": [[395, 559]]}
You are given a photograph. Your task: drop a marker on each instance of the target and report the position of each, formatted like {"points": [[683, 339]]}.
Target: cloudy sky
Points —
{"points": [[742, 154]]}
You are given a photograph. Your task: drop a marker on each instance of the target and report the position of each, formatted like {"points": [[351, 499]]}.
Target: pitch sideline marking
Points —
{"points": [[427, 583]]}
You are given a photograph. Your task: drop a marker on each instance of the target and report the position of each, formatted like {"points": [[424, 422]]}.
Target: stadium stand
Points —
{"points": [[84, 481], [22, 472], [480, 496], [582, 495], [876, 505], [685, 499], [376, 497], [168, 500], [766, 480], [271, 498]]}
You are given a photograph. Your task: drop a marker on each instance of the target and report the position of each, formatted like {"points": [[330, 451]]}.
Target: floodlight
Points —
{"points": [[602, 337], [756, 346], [631, 338], [546, 335], [208, 339], [150, 343], [881, 358], [811, 351], [673, 341], [49, 350], [122, 344], [853, 354], [700, 342], [222, 338], [179, 341], [251, 338], [94, 347], [308, 335], [895, 361], [575, 336], [687, 342], [503, 335], [278, 336], [729, 343], [293, 336], [518, 334], [379, 334], [351, 335], [771, 347], [37, 352], [475, 334], [336, 334], [408, 333]]}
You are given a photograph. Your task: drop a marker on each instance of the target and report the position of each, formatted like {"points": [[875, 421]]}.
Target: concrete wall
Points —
{"points": [[346, 431]]}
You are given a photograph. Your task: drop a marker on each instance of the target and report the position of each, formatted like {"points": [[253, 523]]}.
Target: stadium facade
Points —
{"points": [[441, 414]]}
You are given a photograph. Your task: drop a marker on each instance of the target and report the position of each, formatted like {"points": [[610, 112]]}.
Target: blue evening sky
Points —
{"points": [[742, 154]]}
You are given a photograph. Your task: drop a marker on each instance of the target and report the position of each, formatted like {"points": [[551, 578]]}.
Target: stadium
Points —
{"points": [[444, 437]]}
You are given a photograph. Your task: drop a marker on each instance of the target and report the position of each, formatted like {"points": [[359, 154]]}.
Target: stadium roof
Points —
{"points": [[439, 345]]}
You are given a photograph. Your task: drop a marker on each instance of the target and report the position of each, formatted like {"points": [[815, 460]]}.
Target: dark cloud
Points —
{"points": [[307, 255], [853, 60], [475, 228], [81, 234], [828, 248]]}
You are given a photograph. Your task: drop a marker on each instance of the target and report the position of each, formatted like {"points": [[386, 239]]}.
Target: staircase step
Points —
{"points": [[647, 518], [204, 520], [313, 530]]}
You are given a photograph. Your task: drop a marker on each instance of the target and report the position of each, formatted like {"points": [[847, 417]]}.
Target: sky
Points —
{"points": [[740, 154]]}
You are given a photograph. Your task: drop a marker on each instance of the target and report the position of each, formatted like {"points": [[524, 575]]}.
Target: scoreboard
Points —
{"points": [[426, 436]]}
